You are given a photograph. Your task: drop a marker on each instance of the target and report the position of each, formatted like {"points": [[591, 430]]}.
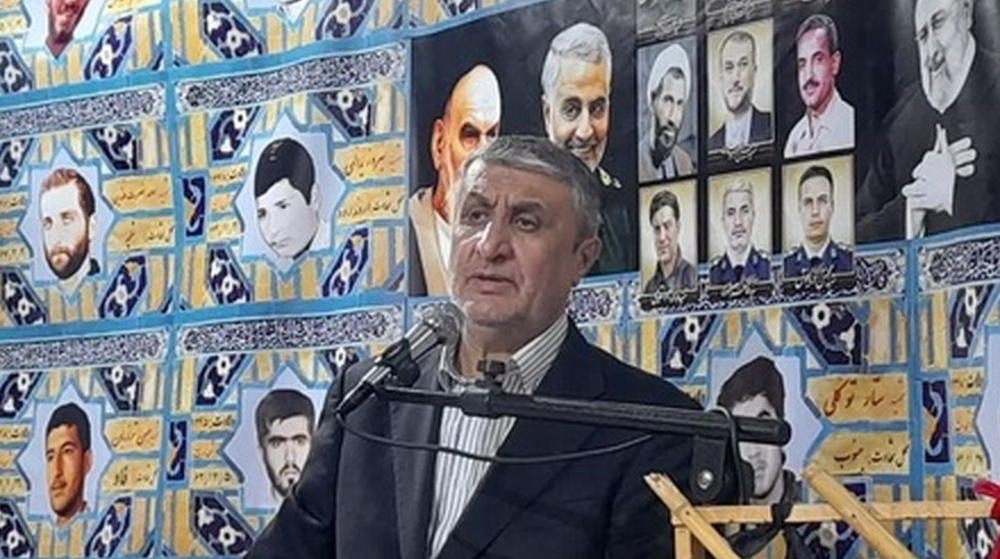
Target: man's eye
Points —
{"points": [[526, 224], [261, 214], [571, 110], [597, 109], [473, 217]]}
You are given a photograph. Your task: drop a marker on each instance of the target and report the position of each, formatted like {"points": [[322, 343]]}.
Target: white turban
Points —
{"points": [[673, 56]]}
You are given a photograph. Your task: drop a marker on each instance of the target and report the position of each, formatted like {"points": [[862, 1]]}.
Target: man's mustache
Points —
{"points": [[811, 83], [582, 144]]}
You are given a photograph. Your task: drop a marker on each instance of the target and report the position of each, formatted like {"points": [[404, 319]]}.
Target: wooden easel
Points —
{"points": [[694, 534]]}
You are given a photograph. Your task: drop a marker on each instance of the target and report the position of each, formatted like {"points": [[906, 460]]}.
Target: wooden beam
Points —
{"points": [[681, 507], [856, 515], [801, 513]]}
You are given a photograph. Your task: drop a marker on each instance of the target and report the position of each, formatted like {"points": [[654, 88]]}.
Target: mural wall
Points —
{"points": [[210, 208]]}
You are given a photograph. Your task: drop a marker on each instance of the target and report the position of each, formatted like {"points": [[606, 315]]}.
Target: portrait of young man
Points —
{"points": [[576, 109], [63, 17], [672, 111], [68, 460], [742, 76], [672, 268], [67, 211], [741, 259], [287, 199], [818, 251], [756, 389], [527, 232], [936, 168], [285, 420], [469, 119], [828, 122]]}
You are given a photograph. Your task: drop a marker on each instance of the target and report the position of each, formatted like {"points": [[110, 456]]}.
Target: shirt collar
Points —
{"points": [[828, 119], [526, 367], [819, 253], [739, 259]]}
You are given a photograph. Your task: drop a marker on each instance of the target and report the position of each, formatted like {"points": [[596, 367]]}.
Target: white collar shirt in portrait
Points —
{"points": [[830, 131]]}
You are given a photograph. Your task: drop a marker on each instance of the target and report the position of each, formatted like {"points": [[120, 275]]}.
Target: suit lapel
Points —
{"points": [[496, 503], [414, 469]]}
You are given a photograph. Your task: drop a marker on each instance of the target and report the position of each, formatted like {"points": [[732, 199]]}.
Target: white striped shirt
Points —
{"points": [[456, 478]]}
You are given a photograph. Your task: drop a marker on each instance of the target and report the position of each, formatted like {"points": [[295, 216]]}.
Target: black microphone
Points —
{"points": [[441, 326]]}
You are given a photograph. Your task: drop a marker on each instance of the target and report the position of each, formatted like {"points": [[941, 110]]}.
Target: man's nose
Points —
{"points": [[494, 240], [584, 128]]}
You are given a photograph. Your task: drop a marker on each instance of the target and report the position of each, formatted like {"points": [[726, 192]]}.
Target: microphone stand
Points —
{"points": [[714, 474]]}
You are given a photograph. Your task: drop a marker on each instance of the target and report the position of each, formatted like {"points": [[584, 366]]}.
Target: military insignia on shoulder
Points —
{"points": [[607, 179]]}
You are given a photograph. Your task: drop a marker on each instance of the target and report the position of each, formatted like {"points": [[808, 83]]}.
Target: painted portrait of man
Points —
{"points": [[68, 218], [668, 96], [828, 122], [935, 169], [284, 420], [741, 260], [818, 251], [736, 79], [576, 110], [471, 118], [673, 271], [756, 389], [287, 198], [63, 17], [68, 460]]}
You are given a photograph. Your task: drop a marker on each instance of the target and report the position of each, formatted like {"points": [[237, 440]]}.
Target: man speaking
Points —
{"points": [[525, 233]]}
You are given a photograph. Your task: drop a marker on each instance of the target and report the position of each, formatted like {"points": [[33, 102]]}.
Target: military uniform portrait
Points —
{"points": [[740, 88], [668, 111], [818, 202], [668, 237], [740, 235]]}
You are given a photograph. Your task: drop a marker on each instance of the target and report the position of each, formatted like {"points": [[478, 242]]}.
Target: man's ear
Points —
{"points": [[437, 144], [835, 57], [587, 253], [547, 115], [92, 225], [314, 197], [88, 461]]}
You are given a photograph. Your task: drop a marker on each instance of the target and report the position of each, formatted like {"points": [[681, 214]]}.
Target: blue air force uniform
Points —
{"points": [[757, 266], [835, 259]]}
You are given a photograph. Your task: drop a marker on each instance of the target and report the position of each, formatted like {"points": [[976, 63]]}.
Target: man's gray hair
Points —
{"points": [[581, 41], [738, 185], [538, 155]]}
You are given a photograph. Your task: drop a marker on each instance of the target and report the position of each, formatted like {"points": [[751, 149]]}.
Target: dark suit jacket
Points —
{"points": [[760, 131], [357, 499]]}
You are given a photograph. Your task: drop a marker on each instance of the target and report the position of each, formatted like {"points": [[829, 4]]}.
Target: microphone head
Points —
{"points": [[445, 319]]}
